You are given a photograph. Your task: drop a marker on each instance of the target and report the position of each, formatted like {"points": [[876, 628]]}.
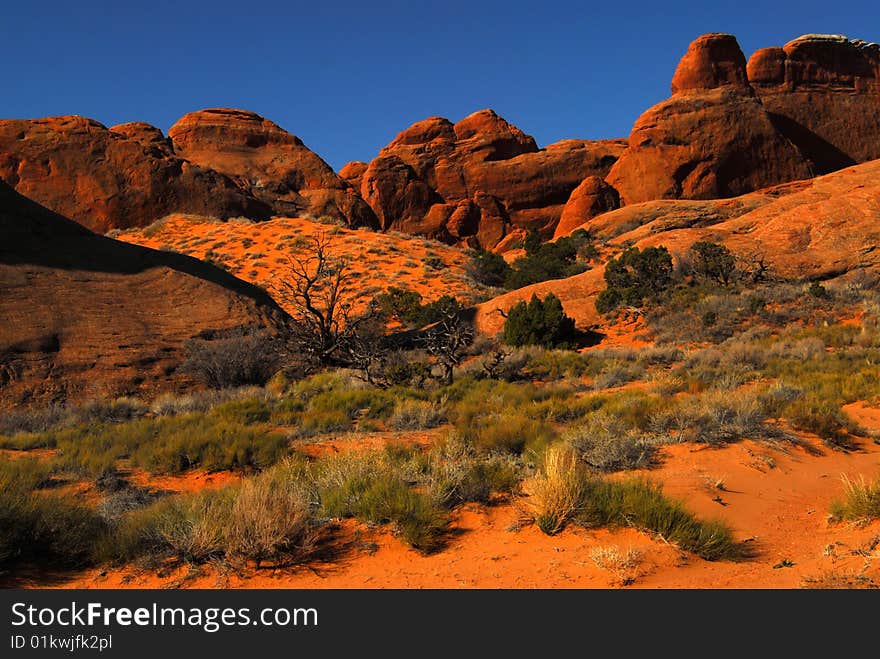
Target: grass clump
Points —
{"points": [[826, 420], [272, 519], [416, 415], [44, 530], [642, 504], [501, 416], [269, 517], [459, 474], [247, 412], [616, 373], [716, 418], [624, 565], [164, 445], [25, 474], [559, 491], [566, 492], [860, 503], [370, 489]]}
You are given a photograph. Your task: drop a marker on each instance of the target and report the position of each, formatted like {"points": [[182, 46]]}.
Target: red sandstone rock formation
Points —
{"points": [[270, 163], [591, 198], [107, 179], [820, 228], [475, 181], [712, 139], [713, 60], [823, 93]]}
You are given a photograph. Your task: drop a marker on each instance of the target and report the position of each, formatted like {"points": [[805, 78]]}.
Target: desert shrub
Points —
{"points": [[44, 530], [860, 503], [549, 364], [25, 473], [493, 414], [416, 415], [332, 403], [818, 290], [497, 363], [40, 420], [401, 368], [402, 304], [506, 432], [171, 404], [704, 311], [563, 409], [634, 276], [124, 500], [166, 445], [237, 358], [825, 419], [31, 420], [187, 528], [500, 416], [247, 411], [406, 306], [776, 398], [634, 409], [444, 307], [271, 519], [616, 373], [321, 382], [370, 403], [606, 444], [434, 262], [322, 422], [467, 477], [545, 261], [211, 447], [831, 580], [804, 349], [717, 417], [539, 322], [713, 262], [660, 355], [623, 565], [487, 268], [363, 487], [113, 411]]}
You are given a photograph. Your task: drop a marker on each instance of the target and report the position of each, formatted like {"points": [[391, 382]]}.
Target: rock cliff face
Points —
{"points": [[112, 179], [712, 138], [269, 163], [475, 181], [730, 127], [823, 93], [84, 316]]}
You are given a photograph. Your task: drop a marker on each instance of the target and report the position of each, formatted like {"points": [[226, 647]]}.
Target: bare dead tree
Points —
{"points": [[493, 363], [317, 290], [368, 349], [755, 266], [447, 341]]}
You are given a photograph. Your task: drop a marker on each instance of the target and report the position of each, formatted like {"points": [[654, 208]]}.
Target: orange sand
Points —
{"points": [[258, 252]]}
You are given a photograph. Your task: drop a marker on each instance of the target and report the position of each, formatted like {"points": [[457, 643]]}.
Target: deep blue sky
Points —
{"points": [[348, 76]]}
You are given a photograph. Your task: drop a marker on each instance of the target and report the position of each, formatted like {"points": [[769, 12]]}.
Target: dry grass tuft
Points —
{"points": [[624, 565]]}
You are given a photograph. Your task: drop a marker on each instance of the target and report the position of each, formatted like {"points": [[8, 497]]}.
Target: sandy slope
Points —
{"points": [[258, 252]]}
